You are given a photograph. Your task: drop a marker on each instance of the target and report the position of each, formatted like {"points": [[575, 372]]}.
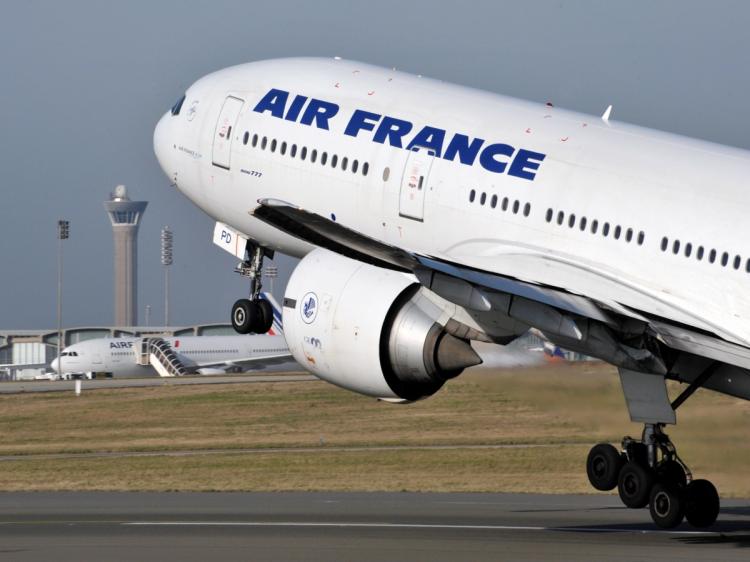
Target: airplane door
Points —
{"points": [[414, 183], [222, 152]]}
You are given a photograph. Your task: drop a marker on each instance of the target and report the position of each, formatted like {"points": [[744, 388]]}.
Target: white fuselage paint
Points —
{"points": [[664, 185], [118, 356]]}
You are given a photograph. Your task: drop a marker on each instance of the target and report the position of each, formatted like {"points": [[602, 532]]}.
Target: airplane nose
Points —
{"points": [[162, 148], [53, 365]]}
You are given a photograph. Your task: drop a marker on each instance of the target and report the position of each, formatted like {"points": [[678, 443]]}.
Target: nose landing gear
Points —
{"points": [[253, 315]]}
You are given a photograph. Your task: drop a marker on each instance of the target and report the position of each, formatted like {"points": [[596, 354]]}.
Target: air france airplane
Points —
{"points": [[429, 215], [172, 356]]}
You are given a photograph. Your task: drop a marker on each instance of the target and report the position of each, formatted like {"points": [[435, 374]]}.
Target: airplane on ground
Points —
{"points": [[427, 215], [131, 357]]}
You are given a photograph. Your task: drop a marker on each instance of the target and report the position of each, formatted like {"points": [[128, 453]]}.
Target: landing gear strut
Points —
{"points": [[253, 315], [648, 471]]}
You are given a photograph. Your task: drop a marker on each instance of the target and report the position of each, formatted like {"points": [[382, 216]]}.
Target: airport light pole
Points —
{"points": [[63, 233], [167, 240], [271, 272]]}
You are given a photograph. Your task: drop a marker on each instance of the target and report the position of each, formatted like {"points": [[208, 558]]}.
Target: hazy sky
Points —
{"points": [[84, 83]]}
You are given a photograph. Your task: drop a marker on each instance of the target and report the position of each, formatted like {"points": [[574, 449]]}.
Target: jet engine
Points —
{"points": [[370, 330]]}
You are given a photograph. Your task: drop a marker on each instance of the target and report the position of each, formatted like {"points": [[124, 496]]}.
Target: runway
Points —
{"points": [[19, 387], [351, 526]]}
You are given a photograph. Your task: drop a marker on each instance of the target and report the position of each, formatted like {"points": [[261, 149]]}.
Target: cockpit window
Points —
{"points": [[177, 106]]}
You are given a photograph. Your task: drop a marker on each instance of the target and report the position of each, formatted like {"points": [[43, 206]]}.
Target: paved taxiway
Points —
{"points": [[18, 387], [351, 526]]}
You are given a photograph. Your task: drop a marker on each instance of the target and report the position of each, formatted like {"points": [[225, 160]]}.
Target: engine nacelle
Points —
{"points": [[369, 329]]}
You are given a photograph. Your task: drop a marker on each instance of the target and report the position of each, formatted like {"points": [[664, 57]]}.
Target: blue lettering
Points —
{"points": [[525, 164], [319, 111], [430, 138], [489, 162], [466, 151], [274, 101], [361, 120], [294, 110], [392, 129]]}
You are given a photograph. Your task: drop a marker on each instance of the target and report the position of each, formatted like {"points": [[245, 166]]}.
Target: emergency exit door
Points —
{"points": [[222, 151], [414, 183]]}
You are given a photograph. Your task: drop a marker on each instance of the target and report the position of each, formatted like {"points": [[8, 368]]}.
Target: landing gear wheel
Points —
{"points": [[666, 505], [671, 472], [603, 466], [701, 503], [265, 318], [634, 485], [245, 315]]}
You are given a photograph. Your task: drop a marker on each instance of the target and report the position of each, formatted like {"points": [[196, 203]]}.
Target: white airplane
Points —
{"points": [[428, 214], [132, 357]]}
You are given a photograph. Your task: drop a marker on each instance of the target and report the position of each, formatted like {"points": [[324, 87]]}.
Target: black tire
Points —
{"points": [[603, 466], [634, 485], [671, 472], [701, 503], [244, 316], [666, 505], [265, 318]]}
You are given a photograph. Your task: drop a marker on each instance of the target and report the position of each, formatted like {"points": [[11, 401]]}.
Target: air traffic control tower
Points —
{"points": [[125, 216]]}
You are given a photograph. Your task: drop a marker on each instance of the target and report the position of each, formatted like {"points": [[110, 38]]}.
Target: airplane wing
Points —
{"points": [[250, 362], [669, 326]]}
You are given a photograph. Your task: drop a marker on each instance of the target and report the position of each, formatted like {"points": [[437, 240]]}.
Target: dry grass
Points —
{"points": [[579, 404]]}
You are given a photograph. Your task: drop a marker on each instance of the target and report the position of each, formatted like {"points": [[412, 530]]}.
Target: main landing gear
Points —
{"points": [[649, 471], [253, 315]]}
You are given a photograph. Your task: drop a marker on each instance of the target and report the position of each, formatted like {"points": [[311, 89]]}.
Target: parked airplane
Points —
{"points": [[428, 215], [131, 357]]}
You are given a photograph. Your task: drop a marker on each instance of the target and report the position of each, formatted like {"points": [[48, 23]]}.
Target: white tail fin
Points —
{"points": [[277, 329]]}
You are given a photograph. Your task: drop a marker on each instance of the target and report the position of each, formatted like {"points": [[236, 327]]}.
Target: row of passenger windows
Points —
{"points": [[594, 225], [343, 163], [700, 253], [504, 205]]}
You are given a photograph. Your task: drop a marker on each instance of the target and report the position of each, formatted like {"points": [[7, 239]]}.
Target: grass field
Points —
{"points": [[327, 435]]}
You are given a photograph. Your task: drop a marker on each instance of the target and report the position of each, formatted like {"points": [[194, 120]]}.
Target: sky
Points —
{"points": [[84, 83]]}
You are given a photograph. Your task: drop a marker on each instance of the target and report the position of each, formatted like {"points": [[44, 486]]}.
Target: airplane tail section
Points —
{"points": [[277, 329]]}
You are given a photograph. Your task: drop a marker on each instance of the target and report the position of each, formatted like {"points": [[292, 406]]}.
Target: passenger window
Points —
{"points": [[334, 161], [560, 217], [323, 158], [676, 247], [712, 256], [283, 148], [571, 221], [699, 253], [550, 212], [355, 165], [386, 171], [688, 249], [618, 231], [493, 201], [594, 226], [263, 143], [293, 151], [472, 195], [737, 262], [365, 168], [664, 244], [641, 238], [245, 137], [482, 199], [629, 235], [527, 209], [303, 153], [273, 145], [724, 259], [313, 155], [255, 140], [583, 223], [505, 203], [516, 206], [345, 165], [605, 230]]}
